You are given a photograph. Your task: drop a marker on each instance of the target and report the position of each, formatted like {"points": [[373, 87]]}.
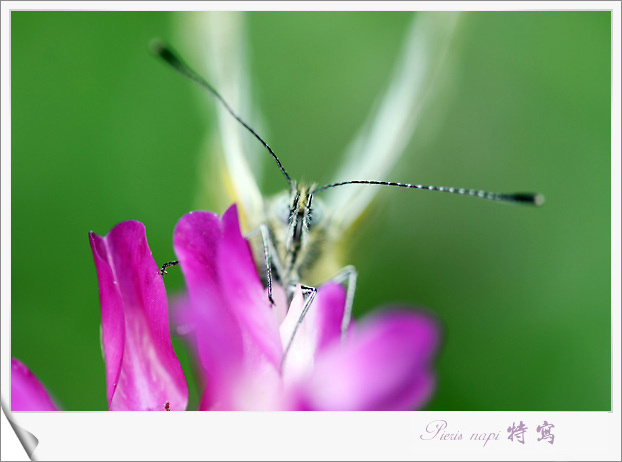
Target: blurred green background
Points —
{"points": [[102, 132]]}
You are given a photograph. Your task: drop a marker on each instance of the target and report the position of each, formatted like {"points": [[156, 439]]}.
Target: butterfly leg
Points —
{"points": [[308, 295], [346, 277], [269, 254], [166, 265]]}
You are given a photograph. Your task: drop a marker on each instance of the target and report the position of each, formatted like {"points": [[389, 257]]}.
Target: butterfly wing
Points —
{"points": [[232, 161], [381, 141]]}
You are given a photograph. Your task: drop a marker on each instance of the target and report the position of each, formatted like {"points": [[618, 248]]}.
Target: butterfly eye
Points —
{"points": [[281, 208], [316, 212]]}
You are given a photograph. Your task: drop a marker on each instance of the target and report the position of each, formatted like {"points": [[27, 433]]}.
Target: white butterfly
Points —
{"points": [[301, 233]]}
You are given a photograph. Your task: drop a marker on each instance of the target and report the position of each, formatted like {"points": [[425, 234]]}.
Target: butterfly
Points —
{"points": [[302, 227]]}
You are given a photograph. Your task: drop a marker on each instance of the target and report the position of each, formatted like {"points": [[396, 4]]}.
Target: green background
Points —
{"points": [[102, 132]]}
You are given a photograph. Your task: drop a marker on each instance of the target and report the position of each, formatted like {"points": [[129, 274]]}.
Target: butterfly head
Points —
{"points": [[298, 212]]}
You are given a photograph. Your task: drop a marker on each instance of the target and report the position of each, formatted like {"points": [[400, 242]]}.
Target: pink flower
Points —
{"points": [[383, 364], [239, 337], [142, 370], [27, 393]]}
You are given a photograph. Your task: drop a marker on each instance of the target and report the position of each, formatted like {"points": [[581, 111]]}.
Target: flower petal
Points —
{"points": [[236, 331], [246, 294], [196, 241], [321, 326], [384, 365], [325, 317], [27, 393], [142, 370]]}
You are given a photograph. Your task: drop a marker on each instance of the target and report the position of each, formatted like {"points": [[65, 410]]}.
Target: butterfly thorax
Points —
{"points": [[294, 220]]}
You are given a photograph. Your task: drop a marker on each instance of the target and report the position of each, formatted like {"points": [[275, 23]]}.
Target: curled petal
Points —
{"points": [[27, 393], [142, 370], [384, 365]]}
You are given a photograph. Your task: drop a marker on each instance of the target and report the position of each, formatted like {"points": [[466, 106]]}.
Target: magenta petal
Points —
{"points": [[27, 393], [384, 365], [196, 240], [247, 298], [236, 331], [142, 370]]}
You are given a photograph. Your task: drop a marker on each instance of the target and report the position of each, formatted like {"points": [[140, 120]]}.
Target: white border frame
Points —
{"points": [[308, 436]]}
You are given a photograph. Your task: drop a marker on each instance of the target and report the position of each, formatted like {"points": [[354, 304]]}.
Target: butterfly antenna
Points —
{"points": [[523, 198], [167, 54]]}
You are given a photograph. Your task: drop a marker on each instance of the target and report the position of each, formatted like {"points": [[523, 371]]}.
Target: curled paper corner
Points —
{"points": [[27, 439]]}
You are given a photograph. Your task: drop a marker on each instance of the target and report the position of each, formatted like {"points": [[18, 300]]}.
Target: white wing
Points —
{"points": [[218, 42], [382, 139]]}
